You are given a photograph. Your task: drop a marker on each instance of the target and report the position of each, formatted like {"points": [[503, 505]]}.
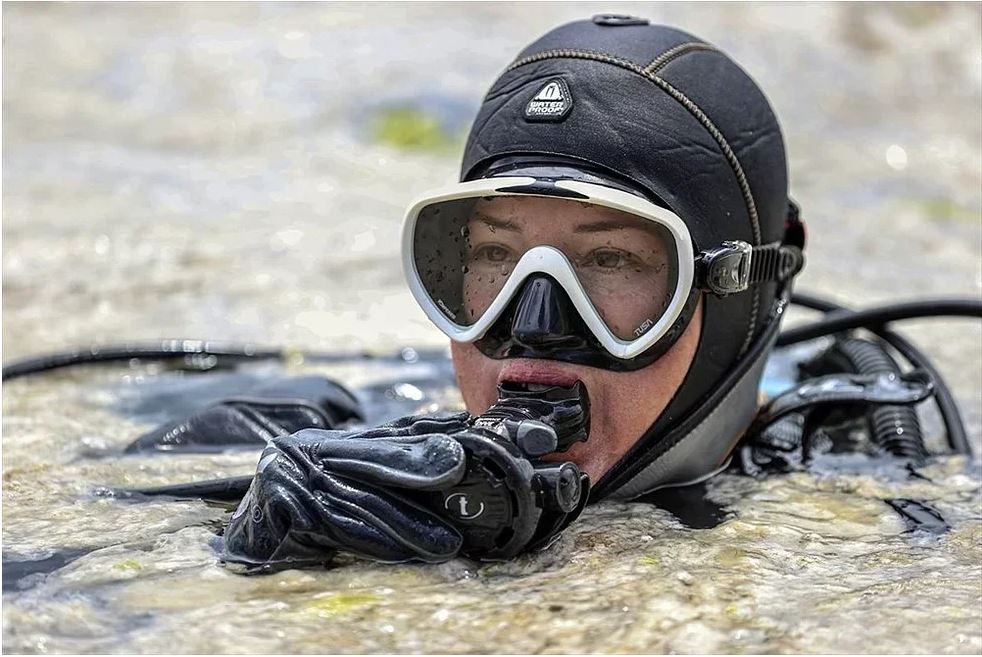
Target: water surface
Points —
{"points": [[217, 171]]}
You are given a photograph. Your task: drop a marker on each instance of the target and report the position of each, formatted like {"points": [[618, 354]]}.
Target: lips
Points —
{"points": [[536, 372]]}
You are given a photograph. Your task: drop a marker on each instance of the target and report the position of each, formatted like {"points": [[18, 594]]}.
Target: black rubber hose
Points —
{"points": [[895, 429], [813, 302], [228, 489], [162, 349], [844, 320], [171, 349], [947, 406]]}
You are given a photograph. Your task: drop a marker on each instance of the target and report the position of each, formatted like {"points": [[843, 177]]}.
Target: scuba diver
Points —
{"points": [[612, 270], [622, 233]]}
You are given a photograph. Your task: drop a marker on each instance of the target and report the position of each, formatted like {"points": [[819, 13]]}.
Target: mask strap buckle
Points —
{"points": [[726, 269], [735, 265]]}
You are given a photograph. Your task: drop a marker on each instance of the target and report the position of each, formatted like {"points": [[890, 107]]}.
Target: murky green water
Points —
{"points": [[231, 172]]}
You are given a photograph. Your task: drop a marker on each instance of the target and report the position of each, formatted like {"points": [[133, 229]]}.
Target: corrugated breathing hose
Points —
{"points": [[895, 429]]}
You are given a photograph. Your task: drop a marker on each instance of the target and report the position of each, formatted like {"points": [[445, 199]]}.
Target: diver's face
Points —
{"points": [[622, 404], [624, 263]]}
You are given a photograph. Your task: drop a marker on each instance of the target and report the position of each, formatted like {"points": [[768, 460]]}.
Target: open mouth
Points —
{"points": [[565, 408], [536, 376], [529, 387]]}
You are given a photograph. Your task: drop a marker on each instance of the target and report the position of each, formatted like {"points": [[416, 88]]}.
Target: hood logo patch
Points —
{"points": [[551, 103]]}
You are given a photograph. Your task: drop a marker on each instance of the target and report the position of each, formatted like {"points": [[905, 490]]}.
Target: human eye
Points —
{"points": [[490, 253], [609, 259]]}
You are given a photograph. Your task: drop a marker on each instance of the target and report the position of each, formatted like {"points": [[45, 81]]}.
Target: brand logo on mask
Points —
{"points": [[551, 103]]}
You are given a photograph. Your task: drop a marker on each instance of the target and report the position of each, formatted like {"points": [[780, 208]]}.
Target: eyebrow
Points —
{"points": [[496, 224], [594, 227], [604, 226]]}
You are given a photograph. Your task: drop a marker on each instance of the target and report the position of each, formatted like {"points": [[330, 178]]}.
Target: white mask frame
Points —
{"points": [[551, 261]]}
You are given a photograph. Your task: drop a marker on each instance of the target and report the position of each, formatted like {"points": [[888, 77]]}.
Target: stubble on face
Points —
{"points": [[622, 404]]}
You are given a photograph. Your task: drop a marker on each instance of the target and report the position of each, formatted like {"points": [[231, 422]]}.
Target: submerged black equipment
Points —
{"points": [[528, 501], [423, 488], [782, 436], [267, 411]]}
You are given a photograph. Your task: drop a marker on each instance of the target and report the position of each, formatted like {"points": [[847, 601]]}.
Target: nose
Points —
{"points": [[544, 316]]}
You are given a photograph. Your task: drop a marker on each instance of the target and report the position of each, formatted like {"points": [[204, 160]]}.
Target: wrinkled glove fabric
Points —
{"points": [[420, 488], [278, 409], [317, 492]]}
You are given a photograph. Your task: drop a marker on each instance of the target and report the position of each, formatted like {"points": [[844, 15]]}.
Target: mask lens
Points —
{"points": [[466, 249], [441, 250]]}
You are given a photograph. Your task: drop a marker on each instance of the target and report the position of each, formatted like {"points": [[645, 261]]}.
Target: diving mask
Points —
{"points": [[627, 268]]}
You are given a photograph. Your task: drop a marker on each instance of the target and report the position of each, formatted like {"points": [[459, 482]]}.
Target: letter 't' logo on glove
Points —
{"points": [[462, 507]]}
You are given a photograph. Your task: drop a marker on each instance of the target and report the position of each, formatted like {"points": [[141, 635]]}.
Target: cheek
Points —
{"points": [[476, 297], [477, 376], [627, 312]]}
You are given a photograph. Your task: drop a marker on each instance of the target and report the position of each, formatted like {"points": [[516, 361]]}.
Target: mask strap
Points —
{"points": [[736, 265]]}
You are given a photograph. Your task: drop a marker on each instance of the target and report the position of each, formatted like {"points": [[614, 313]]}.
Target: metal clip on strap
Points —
{"points": [[735, 266]]}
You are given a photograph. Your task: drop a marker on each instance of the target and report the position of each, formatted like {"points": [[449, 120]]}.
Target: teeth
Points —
{"points": [[536, 387]]}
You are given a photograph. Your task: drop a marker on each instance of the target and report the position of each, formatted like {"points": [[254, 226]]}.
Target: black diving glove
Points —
{"points": [[261, 414], [420, 488], [317, 492]]}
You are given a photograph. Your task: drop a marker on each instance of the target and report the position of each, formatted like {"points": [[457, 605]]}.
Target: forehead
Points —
{"points": [[520, 209]]}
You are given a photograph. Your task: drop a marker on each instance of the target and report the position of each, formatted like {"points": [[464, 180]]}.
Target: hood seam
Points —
{"points": [[695, 111], [670, 55]]}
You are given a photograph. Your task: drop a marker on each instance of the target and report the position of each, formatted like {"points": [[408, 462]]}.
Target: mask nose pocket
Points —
{"points": [[544, 317]]}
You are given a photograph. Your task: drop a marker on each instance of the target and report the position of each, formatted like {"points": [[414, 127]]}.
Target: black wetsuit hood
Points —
{"points": [[677, 119]]}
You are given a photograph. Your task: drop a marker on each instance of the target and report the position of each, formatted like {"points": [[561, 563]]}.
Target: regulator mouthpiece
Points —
{"points": [[539, 419]]}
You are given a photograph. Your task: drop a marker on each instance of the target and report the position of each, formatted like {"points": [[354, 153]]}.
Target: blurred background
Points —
{"points": [[240, 171]]}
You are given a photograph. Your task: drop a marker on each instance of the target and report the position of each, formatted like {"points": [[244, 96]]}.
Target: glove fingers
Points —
{"points": [[285, 521], [418, 424], [358, 537], [261, 531], [427, 462], [333, 528], [349, 514], [418, 530]]}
